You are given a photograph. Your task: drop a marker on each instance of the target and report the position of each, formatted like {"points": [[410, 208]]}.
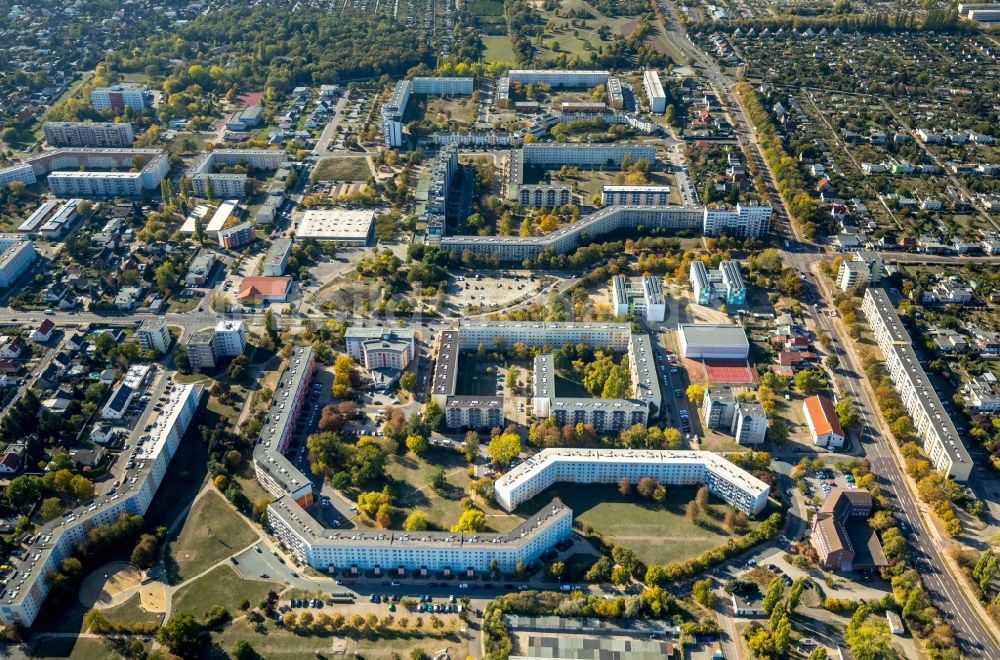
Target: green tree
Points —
{"points": [[243, 651], [556, 569], [408, 381], [702, 592], [415, 522], [180, 634], [775, 589], [471, 520], [868, 636], [416, 443], [471, 447], [810, 381], [51, 508], [504, 448]]}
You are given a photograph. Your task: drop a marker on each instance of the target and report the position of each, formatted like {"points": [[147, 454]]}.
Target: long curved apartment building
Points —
{"points": [[609, 466], [743, 221]]}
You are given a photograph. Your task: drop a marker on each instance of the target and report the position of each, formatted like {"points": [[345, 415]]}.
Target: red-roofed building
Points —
{"points": [[823, 422], [43, 332], [11, 347], [257, 290]]}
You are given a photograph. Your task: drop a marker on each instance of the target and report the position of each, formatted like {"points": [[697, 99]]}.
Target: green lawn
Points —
{"points": [[269, 641], [659, 534], [350, 168], [212, 532], [442, 510], [498, 48], [79, 649], [221, 586], [130, 612]]}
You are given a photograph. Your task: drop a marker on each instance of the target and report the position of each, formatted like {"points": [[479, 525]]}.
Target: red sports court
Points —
{"points": [[729, 372]]}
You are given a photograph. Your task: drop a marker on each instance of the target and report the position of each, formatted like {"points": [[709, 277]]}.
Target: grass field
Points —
{"points": [[472, 378], [269, 641], [212, 532], [130, 612], [79, 649], [414, 493], [348, 168], [498, 48], [579, 42], [659, 534], [220, 586]]}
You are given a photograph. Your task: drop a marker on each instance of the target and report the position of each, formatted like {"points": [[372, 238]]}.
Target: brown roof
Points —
{"points": [[823, 416], [253, 287]]}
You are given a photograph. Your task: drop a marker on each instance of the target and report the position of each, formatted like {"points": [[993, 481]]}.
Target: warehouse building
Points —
{"points": [[345, 226], [700, 341]]}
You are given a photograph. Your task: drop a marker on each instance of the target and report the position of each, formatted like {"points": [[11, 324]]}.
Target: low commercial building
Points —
{"points": [[841, 534], [346, 226], [933, 425], [824, 425], [245, 119], [153, 335], [230, 208], [749, 607], [259, 290], [643, 297], [88, 134], [654, 92], [700, 341], [200, 268], [722, 285], [276, 259], [736, 486], [145, 471]]}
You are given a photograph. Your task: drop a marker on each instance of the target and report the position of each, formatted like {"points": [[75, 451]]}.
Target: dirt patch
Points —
{"points": [[110, 585], [153, 598]]}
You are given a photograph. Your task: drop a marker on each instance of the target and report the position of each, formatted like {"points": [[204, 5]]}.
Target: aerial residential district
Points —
{"points": [[497, 329]]}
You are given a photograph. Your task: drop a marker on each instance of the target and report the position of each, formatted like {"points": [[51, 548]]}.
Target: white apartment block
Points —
{"points": [[616, 97], [583, 155], [749, 423], [153, 335], [356, 337], [615, 218], [230, 338], [441, 85], [275, 472], [736, 486], [636, 195], [862, 268], [119, 97], [88, 134], [82, 178], [204, 177], [654, 92], [23, 173], [16, 256], [941, 441], [538, 334], [644, 297], [401, 552], [558, 77], [392, 114], [26, 591], [743, 221]]}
